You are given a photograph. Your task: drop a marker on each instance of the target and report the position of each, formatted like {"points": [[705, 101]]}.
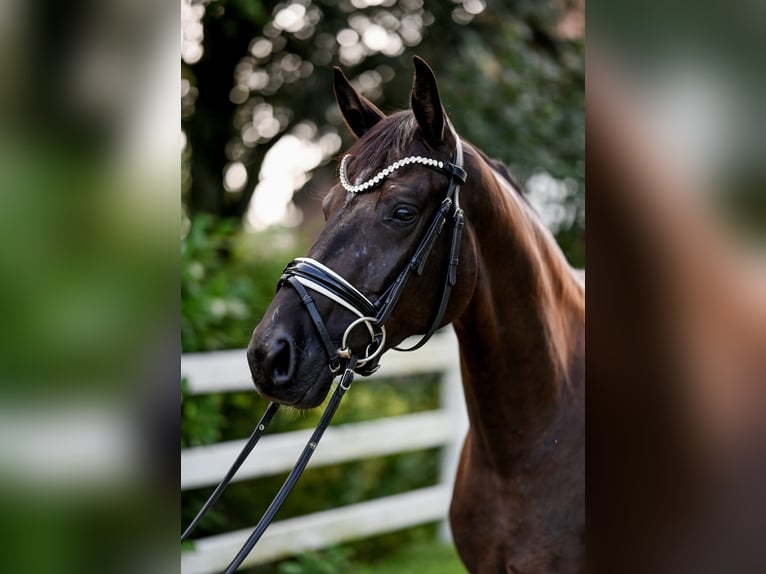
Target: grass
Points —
{"points": [[413, 551], [421, 557]]}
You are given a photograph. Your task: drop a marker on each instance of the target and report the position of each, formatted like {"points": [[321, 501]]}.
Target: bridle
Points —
{"points": [[305, 274]]}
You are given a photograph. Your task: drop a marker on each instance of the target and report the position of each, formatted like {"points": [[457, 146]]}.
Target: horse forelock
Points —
{"points": [[392, 138]]}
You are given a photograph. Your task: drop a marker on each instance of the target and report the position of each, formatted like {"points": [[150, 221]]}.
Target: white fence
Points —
{"points": [[227, 371]]}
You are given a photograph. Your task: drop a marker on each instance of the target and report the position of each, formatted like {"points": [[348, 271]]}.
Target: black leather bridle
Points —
{"points": [[304, 275]]}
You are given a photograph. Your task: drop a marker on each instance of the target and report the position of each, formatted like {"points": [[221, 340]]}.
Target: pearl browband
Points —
{"points": [[444, 166]]}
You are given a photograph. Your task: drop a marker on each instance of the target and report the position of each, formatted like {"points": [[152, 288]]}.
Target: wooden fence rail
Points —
{"points": [[226, 371]]}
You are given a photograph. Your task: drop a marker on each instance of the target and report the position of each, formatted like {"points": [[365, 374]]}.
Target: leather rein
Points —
{"points": [[304, 275]]}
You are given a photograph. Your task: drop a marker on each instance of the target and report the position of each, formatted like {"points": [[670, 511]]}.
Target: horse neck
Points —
{"points": [[523, 329]]}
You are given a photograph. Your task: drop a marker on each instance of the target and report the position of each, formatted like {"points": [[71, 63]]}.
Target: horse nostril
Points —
{"points": [[281, 360]]}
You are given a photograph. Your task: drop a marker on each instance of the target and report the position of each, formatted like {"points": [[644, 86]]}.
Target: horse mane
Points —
{"points": [[503, 171]]}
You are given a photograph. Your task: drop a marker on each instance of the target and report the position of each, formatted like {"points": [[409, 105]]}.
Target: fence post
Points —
{"points": [[453, 401]]}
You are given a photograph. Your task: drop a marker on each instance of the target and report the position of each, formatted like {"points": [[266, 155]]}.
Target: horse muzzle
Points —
{"points": [[288, 366]]}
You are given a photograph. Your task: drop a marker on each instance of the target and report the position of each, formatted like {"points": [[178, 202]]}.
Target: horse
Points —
{"points": [[516, 305]]}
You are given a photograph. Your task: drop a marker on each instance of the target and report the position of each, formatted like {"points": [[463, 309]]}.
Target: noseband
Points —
{"points": [[304, 274]]}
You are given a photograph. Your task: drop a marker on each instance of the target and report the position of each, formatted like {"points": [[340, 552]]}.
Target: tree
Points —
{"points": [[512, 83]]}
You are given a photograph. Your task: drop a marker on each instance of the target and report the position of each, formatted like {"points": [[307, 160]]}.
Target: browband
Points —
{"points": [[446, 167]]}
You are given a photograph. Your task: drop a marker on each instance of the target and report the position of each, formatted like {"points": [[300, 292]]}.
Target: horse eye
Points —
{"points": [[405, 214]]}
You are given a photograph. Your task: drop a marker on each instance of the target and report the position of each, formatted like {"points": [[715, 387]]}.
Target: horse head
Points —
{"points": [[397, 186]]}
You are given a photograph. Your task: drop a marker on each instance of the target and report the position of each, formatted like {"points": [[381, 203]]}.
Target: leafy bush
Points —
{"points": [[227, 280]]}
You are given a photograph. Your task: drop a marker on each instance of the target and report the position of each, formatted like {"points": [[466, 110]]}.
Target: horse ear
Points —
{"points": [[359, 112], [426, 103]]}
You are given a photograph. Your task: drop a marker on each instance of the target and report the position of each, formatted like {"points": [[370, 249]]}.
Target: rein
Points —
{"points": [[304, 274]]}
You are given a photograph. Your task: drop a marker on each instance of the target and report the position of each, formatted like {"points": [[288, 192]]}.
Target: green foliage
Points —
{"points": [[251, 10], [227, 281], [526, 107], [202, 418], [523, 106], [512, 84]]}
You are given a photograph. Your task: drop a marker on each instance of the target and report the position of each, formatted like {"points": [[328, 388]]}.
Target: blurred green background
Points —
{"points": [[90, 223], [261, 141]]}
